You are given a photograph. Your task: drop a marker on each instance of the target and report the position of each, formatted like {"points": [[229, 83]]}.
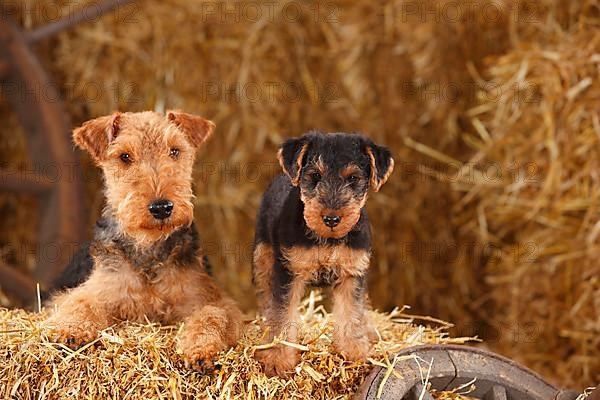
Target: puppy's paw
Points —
{"points": [[372, 335], [355, 349], [278, 361]]}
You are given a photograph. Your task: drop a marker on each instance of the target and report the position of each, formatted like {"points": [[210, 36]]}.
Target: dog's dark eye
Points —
{"points": [[174, 153], [315, 176], [352, 179], [126, 158]]}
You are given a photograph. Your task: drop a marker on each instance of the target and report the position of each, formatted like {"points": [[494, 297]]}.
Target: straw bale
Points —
{"points": [[140, 361]]}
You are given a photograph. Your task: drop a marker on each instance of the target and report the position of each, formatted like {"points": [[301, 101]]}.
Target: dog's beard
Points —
{"points": [[321, 240], [144, 230], [314, 210]]}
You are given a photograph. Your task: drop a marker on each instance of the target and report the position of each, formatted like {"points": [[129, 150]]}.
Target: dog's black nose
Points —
{"points": [[161, 209], [331, 220]]}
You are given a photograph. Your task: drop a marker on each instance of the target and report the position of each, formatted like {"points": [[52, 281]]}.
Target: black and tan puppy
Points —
{"points": [[312, 229]]}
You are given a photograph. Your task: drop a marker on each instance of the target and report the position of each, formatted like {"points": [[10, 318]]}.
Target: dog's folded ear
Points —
{"points": [[95, 135], [382, 164], [196, 128], [291, 156]]}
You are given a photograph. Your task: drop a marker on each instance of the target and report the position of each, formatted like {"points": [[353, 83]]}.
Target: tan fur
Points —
{"points": [[314, 212], [353, 331], [347, 262], [117, 289], [263, 274], [295, 177], [281, 360], [349, 312], [197, 129], [95, 135], [375, 182], [319, 165], [350, 170], [129, 195]]}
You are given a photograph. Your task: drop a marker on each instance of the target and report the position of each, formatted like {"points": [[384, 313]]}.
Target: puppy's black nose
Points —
{"points": [[331, 220], [161, 209]]}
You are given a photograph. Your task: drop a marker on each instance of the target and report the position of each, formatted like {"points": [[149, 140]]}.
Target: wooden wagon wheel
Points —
{"points": [[56, 180], [446, 367]]}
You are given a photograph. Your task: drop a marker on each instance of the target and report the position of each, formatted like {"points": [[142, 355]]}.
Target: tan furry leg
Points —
{"points": [[207, 331], [107, 295], [371, 331], [262, 274], [281, 360], [353, 331], [78, 318]]}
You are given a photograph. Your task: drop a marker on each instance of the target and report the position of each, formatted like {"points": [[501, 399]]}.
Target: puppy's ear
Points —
{"points": [[291, 156], [197, 129], [95, 135], [382, 164]]}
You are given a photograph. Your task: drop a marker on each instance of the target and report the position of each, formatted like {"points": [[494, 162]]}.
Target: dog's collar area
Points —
{"points": [[318, 239], [179, 248]]}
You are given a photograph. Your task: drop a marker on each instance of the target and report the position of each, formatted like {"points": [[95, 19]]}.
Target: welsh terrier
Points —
{"points": [[145, 260], [312, 229]]}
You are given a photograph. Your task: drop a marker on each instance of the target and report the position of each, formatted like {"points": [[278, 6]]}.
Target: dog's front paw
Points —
{"points": [[73, 335], [205, 365], [201, 358], [278, 361]]}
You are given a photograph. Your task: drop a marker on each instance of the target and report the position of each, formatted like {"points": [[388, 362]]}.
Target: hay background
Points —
{"points": [[387, 74]]}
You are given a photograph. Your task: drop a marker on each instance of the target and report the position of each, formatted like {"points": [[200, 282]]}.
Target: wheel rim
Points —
{"points": [[41, 112]]}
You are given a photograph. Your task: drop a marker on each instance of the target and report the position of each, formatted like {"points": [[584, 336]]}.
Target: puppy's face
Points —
{"points": [[334, 173], [147, 159]]}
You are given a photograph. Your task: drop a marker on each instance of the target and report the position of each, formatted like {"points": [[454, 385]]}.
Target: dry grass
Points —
{"points": [[539, 127], [139, 361]]}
